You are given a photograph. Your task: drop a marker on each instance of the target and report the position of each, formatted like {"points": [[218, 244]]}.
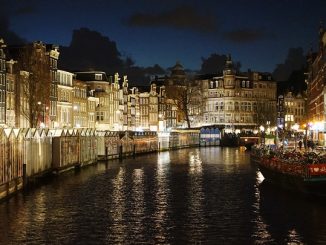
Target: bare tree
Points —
{"points": [[265, 112], [186, 97], [33, 83]]}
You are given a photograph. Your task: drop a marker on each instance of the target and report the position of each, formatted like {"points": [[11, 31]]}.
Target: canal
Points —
{"points": [[188, 196]]}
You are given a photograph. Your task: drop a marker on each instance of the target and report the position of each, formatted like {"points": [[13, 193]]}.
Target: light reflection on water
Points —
{"points": [[162, 198], [196, 217], [117, 208], [205, 195], [261, 233]]}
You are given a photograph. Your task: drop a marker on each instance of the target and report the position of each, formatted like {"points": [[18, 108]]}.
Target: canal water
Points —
{"points": [[189, 196]]}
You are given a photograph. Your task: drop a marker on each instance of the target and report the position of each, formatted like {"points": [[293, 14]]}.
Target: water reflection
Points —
{"points": [[195, 214], [261, 233], [208, 195], [162, 201], [136, 212], [195, 163], [117, 229], [290, 217]]}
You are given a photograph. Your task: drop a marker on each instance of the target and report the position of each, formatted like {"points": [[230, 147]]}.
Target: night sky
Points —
{"points": [[256, 33]]}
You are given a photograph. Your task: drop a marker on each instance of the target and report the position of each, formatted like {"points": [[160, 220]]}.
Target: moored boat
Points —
{"points": [[304, 172]]}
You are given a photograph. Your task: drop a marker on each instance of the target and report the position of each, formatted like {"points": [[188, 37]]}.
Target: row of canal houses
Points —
{"points": [[230, 100], [82, 99]]}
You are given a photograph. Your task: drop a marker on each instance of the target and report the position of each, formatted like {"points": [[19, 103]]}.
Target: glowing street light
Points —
{"points": [[295, 127]]}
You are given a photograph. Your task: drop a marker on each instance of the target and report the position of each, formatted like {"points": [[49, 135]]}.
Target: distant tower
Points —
{"points": [[228, 68], [178, 75], [116, 78], [125, 84]]}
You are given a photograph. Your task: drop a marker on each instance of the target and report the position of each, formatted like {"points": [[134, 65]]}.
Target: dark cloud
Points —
{"points": [[246, 35], [154, 70], [26, 9], [215, 63], [182, 17], [9, 36], [18, 7], [90, 50], [295, 60]]}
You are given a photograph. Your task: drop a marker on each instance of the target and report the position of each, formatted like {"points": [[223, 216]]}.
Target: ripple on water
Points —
{"points": [[206, 195]]}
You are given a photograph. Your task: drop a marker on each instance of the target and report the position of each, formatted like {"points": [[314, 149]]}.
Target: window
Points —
{"points": [[98, 77], [236, 106], [100, 116], [254, 106], [229, 106], [222, 106], [249, 108], [243, 106]]}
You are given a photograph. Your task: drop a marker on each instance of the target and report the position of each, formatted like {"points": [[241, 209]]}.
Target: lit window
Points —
{"points": [[98, 77]]}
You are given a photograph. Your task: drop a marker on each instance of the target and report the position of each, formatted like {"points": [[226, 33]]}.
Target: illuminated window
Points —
{"points": [[98, 77]]}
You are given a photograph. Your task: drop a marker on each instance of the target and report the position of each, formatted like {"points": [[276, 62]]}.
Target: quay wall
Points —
{"points": [[27, 155]]}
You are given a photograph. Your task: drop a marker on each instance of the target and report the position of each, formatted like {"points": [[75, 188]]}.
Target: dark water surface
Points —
{"points": [[189, 196]]}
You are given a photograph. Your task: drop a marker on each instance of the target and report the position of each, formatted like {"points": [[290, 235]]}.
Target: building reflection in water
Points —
{"points": [[277, 221], [195, 213], [261, 234], [195, 163], [117, 229], [161, 200], [136, 210], [209, 195]]}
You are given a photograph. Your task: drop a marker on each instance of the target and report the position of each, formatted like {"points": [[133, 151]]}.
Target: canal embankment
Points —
{"points": [[27, 155]]}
